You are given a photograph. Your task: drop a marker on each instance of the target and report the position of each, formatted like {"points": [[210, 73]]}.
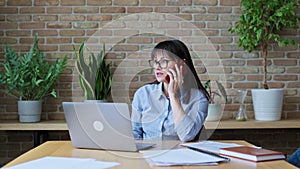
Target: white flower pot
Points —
{"points": [[30, 111], [214, 112], [267, 104]]}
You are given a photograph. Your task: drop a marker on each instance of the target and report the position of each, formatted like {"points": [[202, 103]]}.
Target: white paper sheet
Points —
{"points": [[210, 146], [50, 162], [182, 156]]}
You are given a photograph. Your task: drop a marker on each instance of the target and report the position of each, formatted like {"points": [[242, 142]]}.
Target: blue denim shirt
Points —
{"points": [[152, 116]]}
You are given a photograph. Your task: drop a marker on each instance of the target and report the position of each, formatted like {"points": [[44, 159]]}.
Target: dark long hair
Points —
{"points": [[178, 50]]}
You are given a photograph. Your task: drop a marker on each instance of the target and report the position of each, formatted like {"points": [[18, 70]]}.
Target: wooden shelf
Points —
{"points": [[42, 125], [61, 125], [253, 124]]}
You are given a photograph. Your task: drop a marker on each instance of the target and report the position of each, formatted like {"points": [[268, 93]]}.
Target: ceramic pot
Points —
{"points": [[214, 112], [30, 111], [267, 104]]}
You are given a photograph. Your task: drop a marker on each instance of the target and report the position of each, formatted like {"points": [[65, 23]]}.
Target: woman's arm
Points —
{"points": [[188, 126]]}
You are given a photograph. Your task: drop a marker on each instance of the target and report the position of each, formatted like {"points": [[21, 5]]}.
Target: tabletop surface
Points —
{"points": [[134, 160]]}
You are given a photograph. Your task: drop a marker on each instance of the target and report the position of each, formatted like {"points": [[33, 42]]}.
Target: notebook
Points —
{"points": [[105, 125], [252, 153]]}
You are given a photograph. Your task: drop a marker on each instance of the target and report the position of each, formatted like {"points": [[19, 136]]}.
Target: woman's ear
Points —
{"points": [[184, 66]]}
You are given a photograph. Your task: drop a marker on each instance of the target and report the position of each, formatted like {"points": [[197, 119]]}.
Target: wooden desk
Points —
{"points": [[134, 160]]}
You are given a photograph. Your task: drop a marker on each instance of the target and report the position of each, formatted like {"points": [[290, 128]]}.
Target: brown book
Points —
{"points": [[252, 153]]}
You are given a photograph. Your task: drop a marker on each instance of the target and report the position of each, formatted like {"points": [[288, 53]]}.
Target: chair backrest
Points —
{"points": [[202, 134]]}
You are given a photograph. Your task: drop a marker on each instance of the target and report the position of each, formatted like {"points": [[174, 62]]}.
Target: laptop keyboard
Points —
{"points": [[141, 146]]}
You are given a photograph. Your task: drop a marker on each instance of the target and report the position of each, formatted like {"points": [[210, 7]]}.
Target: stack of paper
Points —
{"points": [[210, 146], [64, 163], [182, 156]]}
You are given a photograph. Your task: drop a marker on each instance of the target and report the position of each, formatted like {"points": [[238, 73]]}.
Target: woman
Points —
{"points": [[175, 105]]}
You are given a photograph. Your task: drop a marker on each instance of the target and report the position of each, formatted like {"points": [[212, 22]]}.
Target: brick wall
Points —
{"points": [[130, 29]]}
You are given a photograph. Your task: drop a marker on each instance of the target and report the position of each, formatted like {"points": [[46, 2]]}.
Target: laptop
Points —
{"points": [[104, 125]]}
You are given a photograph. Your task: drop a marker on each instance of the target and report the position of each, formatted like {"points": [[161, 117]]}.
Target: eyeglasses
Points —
{"points": [[162, 63]]}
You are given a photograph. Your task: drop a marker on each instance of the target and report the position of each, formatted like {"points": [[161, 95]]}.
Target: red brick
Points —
{"points": [[112, 9], [66, 47], [139, 9], [285, 62], [99, 2], [8, 25], [230, 2], [19, 3], [293, 70], [72, 18], [45, 18], [255, 77], [58, 40], [18, 33], [45, 32], [245, 85], [8, 10], [293, 85], [293, 99], [15, 18], [286, 77], [72, 3], [206, 2], [126, 2], [219, 10], [71, 33], [219, 40], [32, 10], [166, 9], [32, 25], [152, 2], [31, 40], [179, 3], [126, 48], [86, 10], [58, 25], [140, 40], [86, 25], [179, 32], [293, 55], [46, 2], [59, 10], [99, 17]]}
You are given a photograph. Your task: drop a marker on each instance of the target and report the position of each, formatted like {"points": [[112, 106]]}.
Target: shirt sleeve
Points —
{"points": [[191, 123], [136, 117]]}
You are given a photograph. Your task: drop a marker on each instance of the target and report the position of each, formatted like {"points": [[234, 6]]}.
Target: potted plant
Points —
{"points": [[95, 77], [29, 77], [259, 26], [215, 108]]}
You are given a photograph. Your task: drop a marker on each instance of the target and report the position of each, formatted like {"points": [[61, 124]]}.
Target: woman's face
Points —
{"points": [[162, 64]]}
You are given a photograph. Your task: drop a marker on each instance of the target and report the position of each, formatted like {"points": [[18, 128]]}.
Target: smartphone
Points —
{"points": [[167, 78]]}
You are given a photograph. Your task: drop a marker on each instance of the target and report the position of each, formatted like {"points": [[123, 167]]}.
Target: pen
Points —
{"points": [[209, 153]]}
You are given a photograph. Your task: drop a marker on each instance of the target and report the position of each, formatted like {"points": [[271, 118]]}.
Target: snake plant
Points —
{"points": [[212, 94], [95, 77]]}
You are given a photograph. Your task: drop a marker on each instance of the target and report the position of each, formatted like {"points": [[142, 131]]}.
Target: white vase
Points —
{"points": [[267, 104], [30, 111], [214, 112]]}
